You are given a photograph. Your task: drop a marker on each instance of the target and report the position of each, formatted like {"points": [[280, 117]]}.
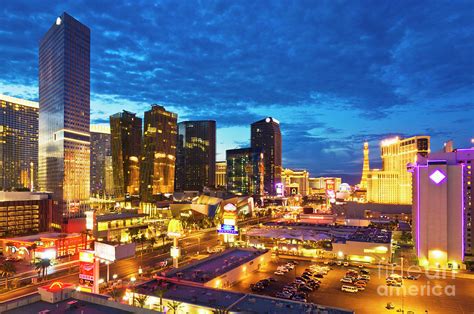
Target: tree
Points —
{"points": [[141, 300], [163, 237], [115, 293], [152, 242], [160, 292], [174, 306], [222, 310], [42, 266], [33, 248], [7, 269]]}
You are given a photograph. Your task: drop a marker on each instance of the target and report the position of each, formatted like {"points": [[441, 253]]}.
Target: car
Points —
{"points": [[365, 271], [347, 288], [290, 266], [360, 266], [295, 262], [411, 277], [339, 263], [282, 269], [360, 287], [326, 263], [283, 295], [346, 264], [271, 279], [279, 273], [361, 282], [306, 288], [346, 280], [366, 277], [319, 275], [256, 288], [299, 299]]}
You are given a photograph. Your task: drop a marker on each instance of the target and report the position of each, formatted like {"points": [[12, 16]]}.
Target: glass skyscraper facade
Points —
{"points": [[244, 171], [266, 135], [18, 144], [100, 150], [196, 155], [157, 167], [64, 116], [126, 132]]}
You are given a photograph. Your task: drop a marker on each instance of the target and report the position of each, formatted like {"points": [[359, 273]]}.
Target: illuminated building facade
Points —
{"points": [[221, 173], [365, 168], [295, 181], [157, 168], [100, 150], [442, 208], [196, 155], [23, 213], [126, 132], [321, 184], [392, 184], [244, 171], [18, 144], [64, 116], [266, 136]]}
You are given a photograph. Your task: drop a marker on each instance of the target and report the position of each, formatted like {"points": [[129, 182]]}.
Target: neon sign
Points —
{"points": [[227, 229], [437, 176]]}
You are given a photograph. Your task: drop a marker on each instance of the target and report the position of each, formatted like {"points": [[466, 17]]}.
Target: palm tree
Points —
{"points": [[33, 248], [7, 269], [42, 266], [160, 292], [141, 300], [163, 237], [174, 306], [115, 293], [220, 310], [152, 242]]}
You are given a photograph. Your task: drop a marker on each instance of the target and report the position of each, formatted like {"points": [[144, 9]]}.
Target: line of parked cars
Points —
{"points": [[261, 285], [309, 281], [355, 280], [394, 280], [283, 269]]}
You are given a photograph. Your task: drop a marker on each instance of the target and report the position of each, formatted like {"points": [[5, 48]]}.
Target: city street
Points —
{"points": [[377, 294], [128, 267]]}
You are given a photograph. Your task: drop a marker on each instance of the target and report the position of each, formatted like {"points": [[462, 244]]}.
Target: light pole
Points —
{"points": [[403, 291], [133, 279], [108, 271]]}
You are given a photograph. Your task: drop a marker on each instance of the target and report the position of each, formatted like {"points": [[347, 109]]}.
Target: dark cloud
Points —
{"points": [[229, 61]]}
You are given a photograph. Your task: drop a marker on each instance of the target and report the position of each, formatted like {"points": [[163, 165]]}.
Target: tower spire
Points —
{"points": [[365, 168]]}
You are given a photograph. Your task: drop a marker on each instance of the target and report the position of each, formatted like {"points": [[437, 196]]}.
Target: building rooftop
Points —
{"points": [[110, 217], [23, 196], [300, 230], [45, 235], [232, 301], [62, 307], [215, 265], [19, 101], [252, 303]]}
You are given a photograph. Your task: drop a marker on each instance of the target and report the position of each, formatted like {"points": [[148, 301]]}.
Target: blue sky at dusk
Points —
{"points": [[334, 73]]}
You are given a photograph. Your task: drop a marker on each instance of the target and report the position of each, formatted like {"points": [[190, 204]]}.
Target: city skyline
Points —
{"points": [[233, 72]]}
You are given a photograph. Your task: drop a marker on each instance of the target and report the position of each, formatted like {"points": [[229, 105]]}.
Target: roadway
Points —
{"points": [[124, 268]]}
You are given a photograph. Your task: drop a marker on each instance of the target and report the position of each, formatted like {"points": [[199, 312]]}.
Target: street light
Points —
{"points": [[114, 276], [133, 279]]}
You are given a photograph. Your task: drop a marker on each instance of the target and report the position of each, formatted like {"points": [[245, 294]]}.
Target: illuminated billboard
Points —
{"points": [[88, 271], [227, 229]]}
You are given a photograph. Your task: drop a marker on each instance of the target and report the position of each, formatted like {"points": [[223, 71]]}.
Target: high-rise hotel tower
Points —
{"points": [[64, 116], [18, 144]]}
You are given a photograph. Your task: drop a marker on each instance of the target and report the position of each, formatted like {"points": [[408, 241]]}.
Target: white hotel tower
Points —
{"points": [[442, 208]]}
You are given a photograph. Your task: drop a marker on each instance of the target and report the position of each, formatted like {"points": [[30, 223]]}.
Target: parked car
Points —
{"points": [[346, 264], [339, 263], [367, 277], [279, 273], [347, 288], [346, 280]]}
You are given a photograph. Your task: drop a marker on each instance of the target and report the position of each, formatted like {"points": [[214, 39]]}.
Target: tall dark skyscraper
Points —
{"points": [[196, 155], [18, 143], [126, 132], [244, 171], [266, 135], [100, 150], [64, 116], [157, 167]]}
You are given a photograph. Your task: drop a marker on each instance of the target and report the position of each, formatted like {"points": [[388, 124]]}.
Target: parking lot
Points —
{"points": [[456, 294]]}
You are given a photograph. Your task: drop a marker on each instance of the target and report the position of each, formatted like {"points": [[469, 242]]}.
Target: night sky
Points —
{"points": [[334, 73]]}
